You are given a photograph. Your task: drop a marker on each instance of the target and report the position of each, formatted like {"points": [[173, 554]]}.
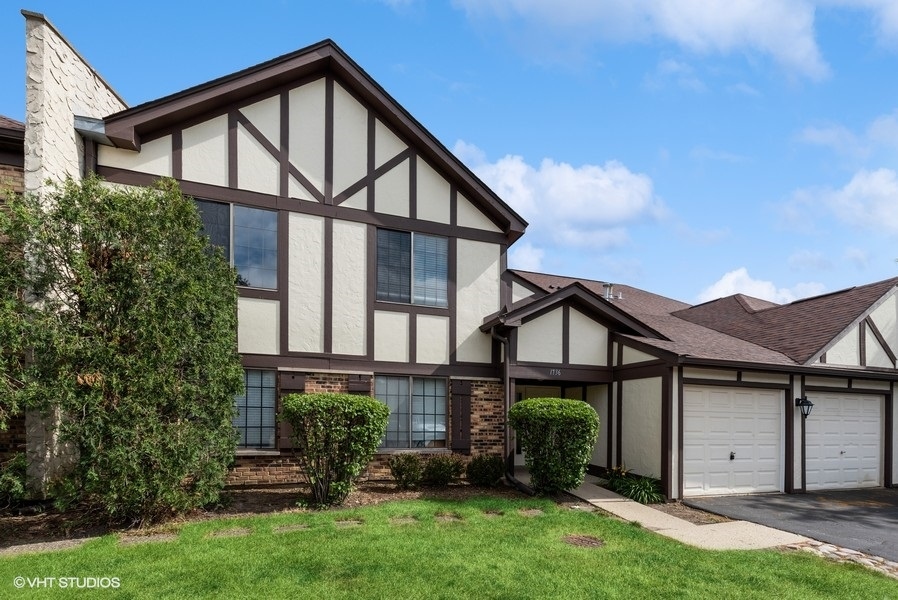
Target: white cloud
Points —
{"points": [[586, 206], [866, 202], [526, 257], [740, 282], [680, 73], [837, 137], [783, 30], [858, 257]]}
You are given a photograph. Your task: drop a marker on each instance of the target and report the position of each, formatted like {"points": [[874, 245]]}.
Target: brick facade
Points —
{"points": [[272, 468], [12, 178], [12, 441]]}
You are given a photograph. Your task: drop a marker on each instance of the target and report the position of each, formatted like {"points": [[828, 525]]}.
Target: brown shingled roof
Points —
{"points": [[12, 124], [800, 330]]}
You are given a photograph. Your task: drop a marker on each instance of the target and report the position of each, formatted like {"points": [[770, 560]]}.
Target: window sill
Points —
{"points": [[257, 452], [414, 450]]}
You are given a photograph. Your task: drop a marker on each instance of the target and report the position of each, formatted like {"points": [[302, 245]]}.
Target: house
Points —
{"points": [[372, 261]]}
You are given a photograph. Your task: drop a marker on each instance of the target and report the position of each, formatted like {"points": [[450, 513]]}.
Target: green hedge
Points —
{"points": [[335, 436], [557, 437]]}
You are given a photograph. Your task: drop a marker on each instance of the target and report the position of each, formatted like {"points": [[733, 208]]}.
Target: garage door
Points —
{"points": [[843, 437], [732, 440]]}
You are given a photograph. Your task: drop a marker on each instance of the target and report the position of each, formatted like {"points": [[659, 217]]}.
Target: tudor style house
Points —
{"points": [[372, 261]]}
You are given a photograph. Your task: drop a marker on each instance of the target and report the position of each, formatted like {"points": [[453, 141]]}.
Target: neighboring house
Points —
{"points": [[372, 261], [12, 180]]}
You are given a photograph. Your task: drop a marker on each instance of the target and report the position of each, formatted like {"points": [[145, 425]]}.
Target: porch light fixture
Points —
{"points": [[804, 405]]}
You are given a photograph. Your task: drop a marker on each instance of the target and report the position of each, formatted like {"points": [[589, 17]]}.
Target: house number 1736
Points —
{"points": [[555, 372]]}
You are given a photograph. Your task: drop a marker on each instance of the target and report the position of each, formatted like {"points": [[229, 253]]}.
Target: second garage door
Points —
{"points": [[732, 440], [844, 441]]}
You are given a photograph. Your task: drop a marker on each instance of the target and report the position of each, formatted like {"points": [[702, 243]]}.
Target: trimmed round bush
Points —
{"points": [[557, 437], [335, 436], [485, 470], [442, 469], [406, 469]]}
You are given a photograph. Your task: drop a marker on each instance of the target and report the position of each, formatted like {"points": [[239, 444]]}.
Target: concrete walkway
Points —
{"points": [[731, 535]]}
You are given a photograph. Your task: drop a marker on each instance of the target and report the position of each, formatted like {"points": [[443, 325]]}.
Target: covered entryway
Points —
{"points": [[732, 440], [843, 448]]}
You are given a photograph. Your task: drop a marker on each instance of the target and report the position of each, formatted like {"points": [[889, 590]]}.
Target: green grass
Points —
{"points": [[478, 556]]}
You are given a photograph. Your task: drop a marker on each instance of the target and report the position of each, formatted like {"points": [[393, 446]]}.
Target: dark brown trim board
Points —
{"points": [[789, 455], [328, 285], [666, 427], [329, 140], [680, 421]]}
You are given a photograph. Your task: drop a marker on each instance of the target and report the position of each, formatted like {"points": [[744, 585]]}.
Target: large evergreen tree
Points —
{"points": [[120, 317]]}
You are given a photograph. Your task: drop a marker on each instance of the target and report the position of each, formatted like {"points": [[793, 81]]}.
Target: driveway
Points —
{"points": [[862, 520]]}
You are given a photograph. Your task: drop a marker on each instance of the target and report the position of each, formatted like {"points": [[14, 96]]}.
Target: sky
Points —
{"points": [[692, 148]]}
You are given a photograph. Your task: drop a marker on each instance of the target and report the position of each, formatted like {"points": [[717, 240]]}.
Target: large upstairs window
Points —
{"points": [[412, 268], [249, 238]]}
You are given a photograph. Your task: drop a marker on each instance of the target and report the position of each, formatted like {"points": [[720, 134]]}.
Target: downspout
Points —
{"points": [[506, 386]]}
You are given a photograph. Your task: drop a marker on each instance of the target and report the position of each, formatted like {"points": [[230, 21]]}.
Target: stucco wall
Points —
{"points": [[641, 426], [59, 84], [349, 287], [588, 341], [477, 296], [541, 339], [597, 397], [305, 280]]}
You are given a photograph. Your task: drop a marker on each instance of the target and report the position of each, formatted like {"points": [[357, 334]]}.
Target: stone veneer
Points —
{"points": [[273, 467]]}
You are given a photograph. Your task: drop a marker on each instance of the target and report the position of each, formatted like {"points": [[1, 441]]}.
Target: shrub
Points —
{"points": [[128, 343], [485, 470], [617, 476], [644, 490], [442, 469], [407, 469], [335, 436], [12, 480], [557, 437]]}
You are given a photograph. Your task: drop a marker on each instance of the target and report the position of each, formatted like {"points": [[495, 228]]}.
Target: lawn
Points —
{"points": [[479, 548]]}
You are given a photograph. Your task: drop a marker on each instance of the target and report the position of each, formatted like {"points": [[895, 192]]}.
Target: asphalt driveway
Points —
{"points": [[863, 520]]}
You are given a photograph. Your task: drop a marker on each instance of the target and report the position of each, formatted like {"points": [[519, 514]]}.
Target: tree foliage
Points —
{"points": [[335, 436], [557, 437], [127, 325]]}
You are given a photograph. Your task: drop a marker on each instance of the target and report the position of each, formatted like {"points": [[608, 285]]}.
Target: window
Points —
{"points": [[412, 268], [254, 251], [255, 409], [417, 411]]}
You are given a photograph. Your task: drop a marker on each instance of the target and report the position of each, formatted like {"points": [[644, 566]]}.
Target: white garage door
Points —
{"points": [[732, 440], [843, 439]]}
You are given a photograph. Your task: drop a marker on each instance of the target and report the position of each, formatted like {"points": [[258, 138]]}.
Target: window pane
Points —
{"points": [[429, 413], [393, 391], [216, 218], [255, 247], [394, 263], [431, 270], [255, 419]]}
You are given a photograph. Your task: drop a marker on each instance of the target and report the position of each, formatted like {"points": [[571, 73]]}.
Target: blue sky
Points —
{"points": [[695, 152]]}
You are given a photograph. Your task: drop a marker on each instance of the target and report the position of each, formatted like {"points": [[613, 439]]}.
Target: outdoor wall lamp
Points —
{"points": [[804, 405]]}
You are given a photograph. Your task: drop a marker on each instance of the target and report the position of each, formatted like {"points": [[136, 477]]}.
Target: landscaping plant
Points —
{"points": [[406, 469], [127, 322], [334, 436], [12, 480], [442, 469], [485, 470], [644, 490], [557, 437]]}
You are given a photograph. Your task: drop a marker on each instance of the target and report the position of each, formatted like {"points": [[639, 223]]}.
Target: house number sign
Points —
{"points": [[554, 372]]}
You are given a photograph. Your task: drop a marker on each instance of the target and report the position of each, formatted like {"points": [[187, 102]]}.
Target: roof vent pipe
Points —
{"points": [[609, 291]]}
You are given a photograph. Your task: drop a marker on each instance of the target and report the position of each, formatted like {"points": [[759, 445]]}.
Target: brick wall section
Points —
{"points": [[487, 418], [487, 436], [11, 178], [12, 441]]}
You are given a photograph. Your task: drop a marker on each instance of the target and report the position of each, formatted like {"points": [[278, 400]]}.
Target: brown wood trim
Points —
{"points": [[566, 335], [542, 373], [258, 293], [453, 205], [640, 371], [284, 156], [328, 285], [666, 426], [343, 363], [736, 384], [888, 410], [371, 160], [803, 454], [610, 426], [862, 342], [329, 140], [267, 144], [848, 390], [619, 426], [412, 309], [413, 187], [177, 158], [680, 422], [368, 180], [879, 338], [413, 338], [305, 183], [789, 453], [232, 150], [823, 358]]}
